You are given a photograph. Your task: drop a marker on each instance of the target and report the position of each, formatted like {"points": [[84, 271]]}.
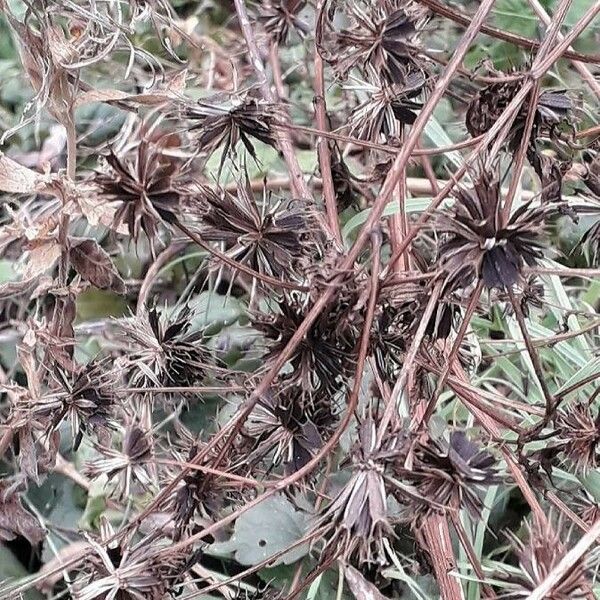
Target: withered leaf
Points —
{"points": [[15, 178], [15, 520], [95, 265]]}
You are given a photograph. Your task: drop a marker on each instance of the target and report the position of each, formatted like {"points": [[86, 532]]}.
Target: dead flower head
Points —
{"points": [[198, 495], [288, 426], [357, 519], [387, 109], [477, 243], [129, 466], [538, 555], [164, 349], [272, 236], [124, 569], [146, 185], [578, 428], [325, 357], [226, 119], [447, 474], [552, 110], [279, 17], [384, 36], [86, 398]]}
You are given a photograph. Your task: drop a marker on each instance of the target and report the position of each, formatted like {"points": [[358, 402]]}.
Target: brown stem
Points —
{"points": [[466, 544], [462, 330], [169, 252], [537, 367], [464, 19], [323, 150], [434, 537]]}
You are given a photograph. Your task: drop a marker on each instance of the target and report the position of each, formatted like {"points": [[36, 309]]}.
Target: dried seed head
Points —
{"points": [[164, 349], [383, 37], [129, 466], [272, 237], [325, 357], [279, 17], [477, 244], [198, 494], [226, 119], [486, 107], [87, 399], [147, 186], [128, 570], [447, 475], [289, 426], [357, 519], [388, 108], [538, 556], [578, 427]]}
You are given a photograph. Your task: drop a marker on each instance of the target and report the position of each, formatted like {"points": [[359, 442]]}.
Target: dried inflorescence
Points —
{"points": [[224, 120], [553, 108], [147, 184], [123, 568], [479, 243], [289, 426], [357, 520], [540, 554], [578, 429], [132, 465], [163, 348], [273, 236], [280, 17], [383, 36], [325, 357], [448, 474]]}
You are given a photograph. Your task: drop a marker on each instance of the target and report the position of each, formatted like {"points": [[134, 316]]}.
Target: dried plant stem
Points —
{"points": [[398, 221], [491, 427], [381, 147], [164, 257], [522, 152], [408, 364], [468, 547], [560, 50], [323, 151], [464, 19], [276, 67], [462, 330], [583, 70], [434, 536], [537, 365]]}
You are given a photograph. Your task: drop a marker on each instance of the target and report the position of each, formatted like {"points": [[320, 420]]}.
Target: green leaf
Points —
{"points": [[263, 531], [412, 205], [11, 570]]}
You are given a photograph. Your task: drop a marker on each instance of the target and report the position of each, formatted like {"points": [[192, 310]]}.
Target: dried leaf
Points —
{"points": [[41, 257], [15, 178], [15, 520], [95, 265], [359, 586]]}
